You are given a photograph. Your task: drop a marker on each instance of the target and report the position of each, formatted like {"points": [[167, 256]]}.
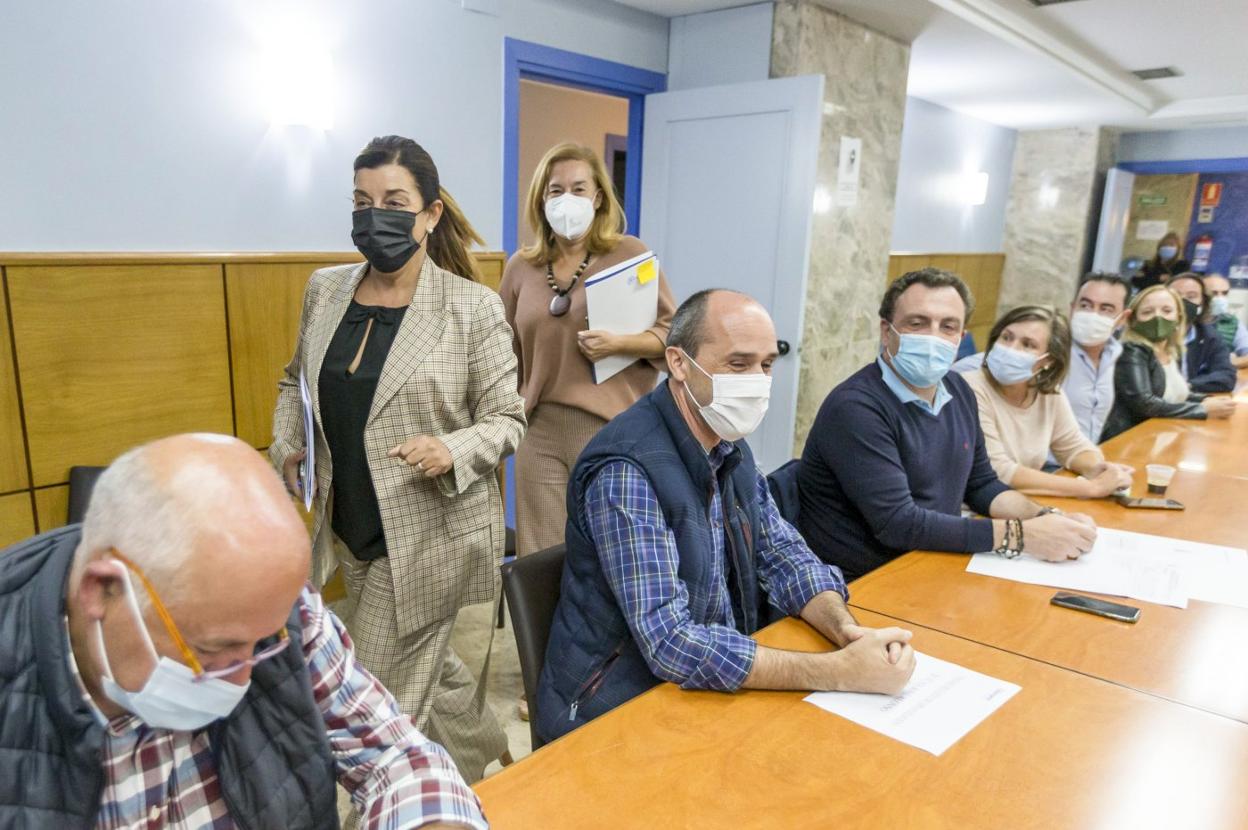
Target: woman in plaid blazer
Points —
{"points": [[412, 381]]}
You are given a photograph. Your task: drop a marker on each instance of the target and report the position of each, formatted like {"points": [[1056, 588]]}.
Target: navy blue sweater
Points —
{"points": [[880, 478], [1209, 366]]}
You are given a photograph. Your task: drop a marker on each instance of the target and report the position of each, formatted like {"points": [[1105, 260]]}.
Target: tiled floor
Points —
{"points": [[470, 639]]}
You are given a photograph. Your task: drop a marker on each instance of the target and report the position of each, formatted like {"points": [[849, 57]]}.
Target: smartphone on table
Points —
{"points": [[1149, 503], [1100, 607]]}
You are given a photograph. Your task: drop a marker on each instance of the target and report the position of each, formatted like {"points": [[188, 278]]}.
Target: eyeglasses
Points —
{"points": [[188, 655]]}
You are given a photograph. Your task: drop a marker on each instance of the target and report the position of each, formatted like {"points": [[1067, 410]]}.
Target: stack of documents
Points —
{"points": [[1150, 568], [307, 467], [941, 703], [623, 300]]}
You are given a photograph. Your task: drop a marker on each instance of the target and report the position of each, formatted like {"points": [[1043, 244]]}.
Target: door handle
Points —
{"points": [[783, 347]]}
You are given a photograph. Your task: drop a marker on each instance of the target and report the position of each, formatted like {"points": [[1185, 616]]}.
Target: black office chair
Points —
{"points": [[783, 485], [81, 483], [509, 554], [531, 584]]}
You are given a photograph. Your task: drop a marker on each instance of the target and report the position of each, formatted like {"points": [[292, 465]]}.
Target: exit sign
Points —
{"points": [[1152, 199]]}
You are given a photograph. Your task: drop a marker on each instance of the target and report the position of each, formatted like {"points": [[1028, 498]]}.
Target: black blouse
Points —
{"points": [[346, 399]]}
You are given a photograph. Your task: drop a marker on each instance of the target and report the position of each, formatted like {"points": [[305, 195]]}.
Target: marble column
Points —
{"points": [[864, 97], [1050, 222]]}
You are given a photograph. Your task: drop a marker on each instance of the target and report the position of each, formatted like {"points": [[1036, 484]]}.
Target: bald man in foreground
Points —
{"points": [[676, 551], [164, 664]]}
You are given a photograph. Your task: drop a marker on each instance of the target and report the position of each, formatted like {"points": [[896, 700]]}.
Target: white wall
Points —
{"points": [[138, 124], [1181, 145], [723, 47], [550, 115], [938, 146]]}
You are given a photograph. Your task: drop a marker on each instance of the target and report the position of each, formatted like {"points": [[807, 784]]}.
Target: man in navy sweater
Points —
{"points": [[897, 449]]}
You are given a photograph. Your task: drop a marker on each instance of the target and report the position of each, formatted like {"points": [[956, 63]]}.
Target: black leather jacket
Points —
{"points": [[1139, 384]]}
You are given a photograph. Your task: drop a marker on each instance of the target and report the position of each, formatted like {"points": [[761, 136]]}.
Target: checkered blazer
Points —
{"points": [[451, 374]]}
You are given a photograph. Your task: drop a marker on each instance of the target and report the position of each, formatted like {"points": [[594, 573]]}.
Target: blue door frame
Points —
{"points": [[1227, 165], [533, 61]]}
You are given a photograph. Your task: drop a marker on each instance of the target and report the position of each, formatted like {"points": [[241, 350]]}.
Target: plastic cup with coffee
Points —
{"points": [[1159, 476]]}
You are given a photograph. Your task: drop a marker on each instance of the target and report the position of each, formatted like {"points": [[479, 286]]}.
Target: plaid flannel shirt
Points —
{"points": [[638, 554], [397, 778]]}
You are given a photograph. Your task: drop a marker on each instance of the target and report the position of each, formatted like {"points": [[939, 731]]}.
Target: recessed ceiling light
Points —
{"points": [[1157, 72]]}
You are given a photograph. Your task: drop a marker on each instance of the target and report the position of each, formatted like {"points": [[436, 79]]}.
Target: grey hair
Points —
{"points": [[141, 517], [688, 328]]}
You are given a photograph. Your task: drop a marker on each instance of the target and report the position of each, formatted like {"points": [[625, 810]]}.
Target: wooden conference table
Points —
{"points": [[1197, 656], [1116, 725]]}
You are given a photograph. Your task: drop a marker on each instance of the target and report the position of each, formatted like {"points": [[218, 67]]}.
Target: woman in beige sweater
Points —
{"points": [[1025, 415], [578, 226]]}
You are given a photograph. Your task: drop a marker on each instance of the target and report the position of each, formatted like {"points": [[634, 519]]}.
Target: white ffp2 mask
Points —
{"points": [[738, 402], [570, 215]]}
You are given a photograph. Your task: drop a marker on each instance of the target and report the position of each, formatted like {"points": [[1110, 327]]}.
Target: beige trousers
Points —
{"points": [[431, 683], [555, 438]]}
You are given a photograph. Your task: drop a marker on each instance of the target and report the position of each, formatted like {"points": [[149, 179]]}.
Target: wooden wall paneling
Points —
{"points": [[993, 265], [17, 521], [14, 474], [490, 264], [51, 507], [945, 262], [264, 302], [111, 356], [980, 272], [968, 268]]}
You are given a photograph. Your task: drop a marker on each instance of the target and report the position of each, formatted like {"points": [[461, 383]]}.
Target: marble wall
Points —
{"points": [[1050, 221], [865, 97]]}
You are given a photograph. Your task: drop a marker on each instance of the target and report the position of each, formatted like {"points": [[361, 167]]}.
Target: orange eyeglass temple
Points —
{"points": [[187, 654]]}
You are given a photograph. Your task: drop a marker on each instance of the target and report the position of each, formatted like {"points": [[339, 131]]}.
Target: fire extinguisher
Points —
{"points": [[1200, 253]]}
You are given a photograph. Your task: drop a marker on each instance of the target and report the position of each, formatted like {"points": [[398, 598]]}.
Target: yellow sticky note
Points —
{"points": [[646, 271]]}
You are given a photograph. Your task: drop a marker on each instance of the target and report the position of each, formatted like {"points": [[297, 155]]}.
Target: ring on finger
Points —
{"points": [[420, 465]]}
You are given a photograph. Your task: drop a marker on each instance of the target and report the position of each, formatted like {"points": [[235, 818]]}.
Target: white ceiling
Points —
{"points": [[1013, 64]]}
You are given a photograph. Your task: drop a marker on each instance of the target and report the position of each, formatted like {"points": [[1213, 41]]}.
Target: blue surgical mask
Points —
{"points": [[922, 359], [1167, 252], [171, 698], [1010, 366], [1220, 306]]}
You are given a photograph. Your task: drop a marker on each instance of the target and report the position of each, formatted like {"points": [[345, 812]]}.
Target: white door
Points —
{"points": [[727, 188], [1111, 234]]}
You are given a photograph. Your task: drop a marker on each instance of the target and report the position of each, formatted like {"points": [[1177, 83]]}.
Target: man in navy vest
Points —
{"points": [[676, 551], [165, 664]]}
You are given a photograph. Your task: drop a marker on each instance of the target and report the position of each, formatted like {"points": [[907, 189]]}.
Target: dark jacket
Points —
{"points": [[1139, 387], [1155, 273], [272, 755], [593, 664], [1209, 367]]}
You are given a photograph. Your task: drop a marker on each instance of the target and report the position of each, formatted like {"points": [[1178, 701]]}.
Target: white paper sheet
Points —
{"points": [[941, 703], [624, 300], [307, 468], [1139, 565]]}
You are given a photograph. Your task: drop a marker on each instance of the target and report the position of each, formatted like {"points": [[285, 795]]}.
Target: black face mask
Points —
{"points": [[1192, 311], [384, 237]]}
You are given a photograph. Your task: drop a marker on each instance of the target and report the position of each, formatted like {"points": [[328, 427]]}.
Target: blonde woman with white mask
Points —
{"points": [[579, 231]]}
